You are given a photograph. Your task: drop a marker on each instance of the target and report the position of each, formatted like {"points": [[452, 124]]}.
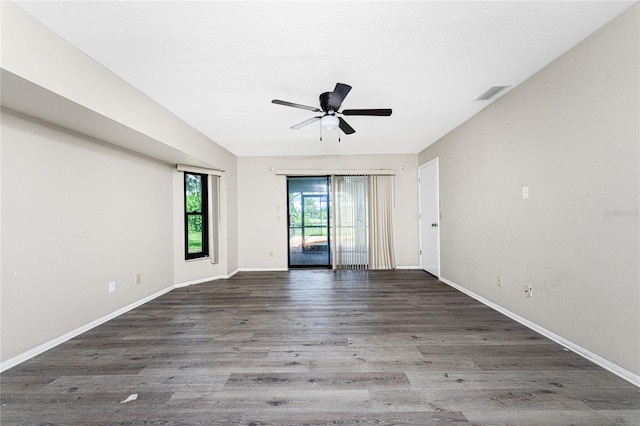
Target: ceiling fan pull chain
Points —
{"points": [[339, 133]]}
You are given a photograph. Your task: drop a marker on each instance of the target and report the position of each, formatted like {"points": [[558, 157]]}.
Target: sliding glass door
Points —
{"points": [[309, 221]]}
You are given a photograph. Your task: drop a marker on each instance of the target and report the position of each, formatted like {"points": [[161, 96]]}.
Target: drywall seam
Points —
{"points": [[607, 365]]}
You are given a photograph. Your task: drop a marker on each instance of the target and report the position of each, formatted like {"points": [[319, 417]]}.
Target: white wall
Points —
{"points": [[33, 52], [76, 215], [36, 54], [262, 204], [571, 134], [45, 274]]}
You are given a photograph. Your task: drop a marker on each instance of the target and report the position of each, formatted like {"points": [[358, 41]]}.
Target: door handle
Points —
{"points": [[434, 225]]}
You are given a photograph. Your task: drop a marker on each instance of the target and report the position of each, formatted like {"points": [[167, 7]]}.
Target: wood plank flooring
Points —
{"points": [[314, 348]]}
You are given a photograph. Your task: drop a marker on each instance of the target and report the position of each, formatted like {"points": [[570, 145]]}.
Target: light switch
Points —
{"points": [[525, 192]]}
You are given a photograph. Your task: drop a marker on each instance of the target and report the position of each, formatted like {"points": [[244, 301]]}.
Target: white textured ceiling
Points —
{"points": [[218, 65]]}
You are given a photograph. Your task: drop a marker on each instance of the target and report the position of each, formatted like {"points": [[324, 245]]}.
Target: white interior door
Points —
{"points": [[429, 218]]}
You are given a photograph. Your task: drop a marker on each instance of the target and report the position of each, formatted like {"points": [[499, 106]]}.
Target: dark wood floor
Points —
{"points": [[315, 348]]}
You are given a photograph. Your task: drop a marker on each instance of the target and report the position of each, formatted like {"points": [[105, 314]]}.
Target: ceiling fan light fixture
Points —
{"points": [[330, 122]]}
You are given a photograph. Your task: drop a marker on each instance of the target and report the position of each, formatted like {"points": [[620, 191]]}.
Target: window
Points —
{"points": [[196, 218]]}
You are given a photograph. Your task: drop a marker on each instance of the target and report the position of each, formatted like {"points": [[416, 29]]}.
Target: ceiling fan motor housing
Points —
{"points": [[324, 101]]}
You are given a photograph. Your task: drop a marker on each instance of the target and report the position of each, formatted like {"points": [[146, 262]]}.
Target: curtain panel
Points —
{"points": [[381, 202]]}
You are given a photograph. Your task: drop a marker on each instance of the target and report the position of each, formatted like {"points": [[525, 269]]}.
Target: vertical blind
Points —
{"points": [[362, 222], [351, 227]]}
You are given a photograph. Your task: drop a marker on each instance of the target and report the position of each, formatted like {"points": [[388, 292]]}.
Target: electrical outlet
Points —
{"points": [[528, 291], [499, 280], [138, 278], [112, 287]]}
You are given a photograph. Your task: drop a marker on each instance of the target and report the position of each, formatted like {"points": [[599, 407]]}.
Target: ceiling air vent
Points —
{"points": [[491, 92]]}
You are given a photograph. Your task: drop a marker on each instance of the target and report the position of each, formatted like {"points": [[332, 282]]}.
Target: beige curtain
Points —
{"points": [[214, 217], [350, 222], [381, 254]]}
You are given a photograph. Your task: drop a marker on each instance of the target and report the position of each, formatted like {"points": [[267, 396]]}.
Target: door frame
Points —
{"points": [[329, 240], [423, 220]]}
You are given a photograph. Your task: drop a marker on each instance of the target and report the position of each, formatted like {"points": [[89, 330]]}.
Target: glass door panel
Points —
{"points": [[309, 220]]}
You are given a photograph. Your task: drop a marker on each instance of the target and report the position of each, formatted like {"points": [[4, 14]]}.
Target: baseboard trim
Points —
{"points": [[263, 269], [407, 267], [12, 362], [204, 280], [585, 353]]}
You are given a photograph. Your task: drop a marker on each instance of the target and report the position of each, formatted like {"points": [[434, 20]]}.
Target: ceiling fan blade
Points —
{"points": [[376, 112], [291, 104], [339, 93], [344, 126], [305, 123]]}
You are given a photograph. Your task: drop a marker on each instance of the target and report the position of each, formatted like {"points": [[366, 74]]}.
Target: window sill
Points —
{"points": [[198, 259]]}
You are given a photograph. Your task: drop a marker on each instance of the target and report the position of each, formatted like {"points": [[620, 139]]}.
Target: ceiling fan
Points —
{"points": [[330, 103]]}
